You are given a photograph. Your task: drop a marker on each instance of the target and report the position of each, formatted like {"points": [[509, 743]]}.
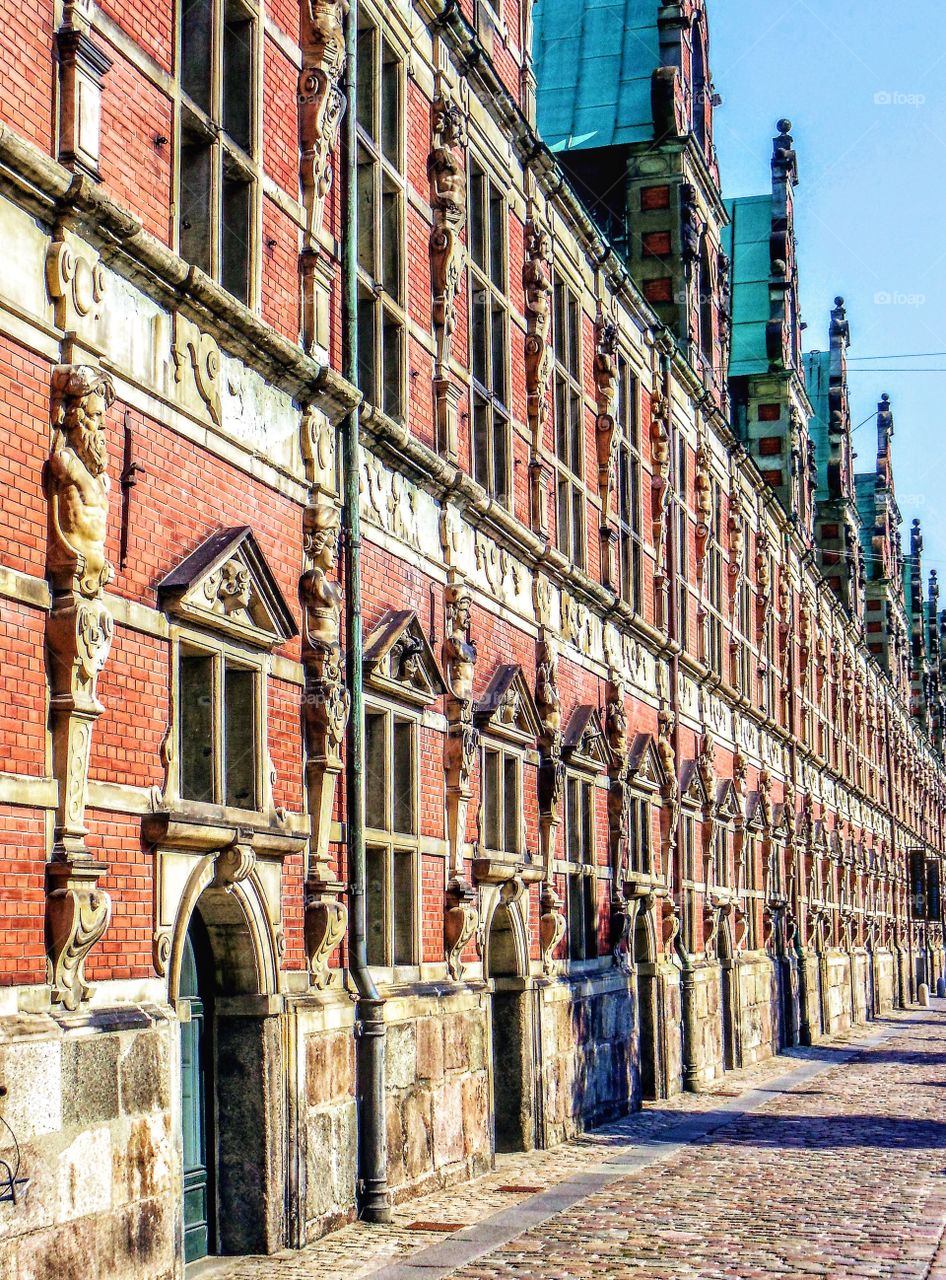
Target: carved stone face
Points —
{"points": [[84, 425], [234, 589], [322, 530]]}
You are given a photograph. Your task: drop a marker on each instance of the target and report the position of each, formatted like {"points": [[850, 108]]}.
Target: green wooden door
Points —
{"points": [[194, 1094]]}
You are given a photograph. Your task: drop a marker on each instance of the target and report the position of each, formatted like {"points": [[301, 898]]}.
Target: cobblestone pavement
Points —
{"points": [[821, 1163]]}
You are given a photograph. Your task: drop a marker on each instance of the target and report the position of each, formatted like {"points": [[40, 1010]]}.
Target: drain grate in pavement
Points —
{"points": [[531, 1191], [446, 1227]]}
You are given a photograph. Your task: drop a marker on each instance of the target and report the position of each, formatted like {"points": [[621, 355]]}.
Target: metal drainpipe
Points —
{"points": [[370, 1031]]}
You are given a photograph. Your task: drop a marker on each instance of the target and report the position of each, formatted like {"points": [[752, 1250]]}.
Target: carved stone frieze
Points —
{"points": [[197, 365], [78, 638], [537, 284], [321, 101], [76, 281]]}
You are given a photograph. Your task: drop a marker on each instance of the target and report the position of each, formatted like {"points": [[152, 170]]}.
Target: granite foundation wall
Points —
{"points": [[836, 971], [93, 1103], [437, 1084], [589, 1053], [885, 967], [758, 994], [702, 998]]}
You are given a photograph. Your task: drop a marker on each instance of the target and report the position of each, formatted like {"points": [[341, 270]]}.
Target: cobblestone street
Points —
{"points": [[825, 1162]]}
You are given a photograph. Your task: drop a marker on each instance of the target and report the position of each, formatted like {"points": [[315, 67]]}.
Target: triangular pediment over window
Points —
{"points": [[643, 763], [692, 790], [507, 708], [226, 585], [584, 743], [727, 802], [399, 660]]}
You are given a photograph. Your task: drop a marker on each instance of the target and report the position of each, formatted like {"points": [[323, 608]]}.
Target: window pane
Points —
{"points": [[390, 106], [561, 417], [376, 774], [391, 243], [559, 329], [480, 336], [366, 245], [196, 726], [195, 205], [587, 822], [481, 442], [237, 74], [574, 336], [492, 799], [477, 218], [564, 516], [367, 375], [392, 398], [404, 777], [578, 525], [573, 820], [589, 887], [498, 352], [501, 460], [235, 276], [403, 907], [366, 68], [497, 227], [375, 895], [575, 433], [576, 918], [196, 37], [239, 764], [511, 804]]}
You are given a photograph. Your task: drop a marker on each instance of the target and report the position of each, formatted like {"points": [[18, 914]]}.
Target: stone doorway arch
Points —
{"points": [[512, 1037], [232, 1099]]}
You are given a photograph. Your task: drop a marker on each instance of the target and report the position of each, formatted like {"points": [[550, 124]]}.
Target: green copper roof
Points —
{"points": [[817, 379], [746, 241], [593, 64]]}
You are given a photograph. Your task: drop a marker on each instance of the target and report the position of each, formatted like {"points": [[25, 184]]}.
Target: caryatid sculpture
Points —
{"points": [[461, 745], [325, 709], [78, 638]]}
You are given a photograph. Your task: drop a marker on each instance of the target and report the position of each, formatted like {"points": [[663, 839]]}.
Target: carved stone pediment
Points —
{"points": [[728, 808], [507, 708], [643, 764], [399, 660], [692, 790], [226, 585], [584, 744], [754, 813]]}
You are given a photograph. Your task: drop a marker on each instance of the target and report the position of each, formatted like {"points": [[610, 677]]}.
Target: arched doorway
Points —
{"points": [[648, 997], [511, 1035], [232, 1108]]}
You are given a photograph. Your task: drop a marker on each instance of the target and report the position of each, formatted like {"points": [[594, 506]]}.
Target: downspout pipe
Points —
{"points": [[370, 1033]]}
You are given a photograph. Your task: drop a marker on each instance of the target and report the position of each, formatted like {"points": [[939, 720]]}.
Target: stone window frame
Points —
{"points": [[569, 435], [641, 819], [691, 870], [678, 516], [382, 292], [628, 484], [186, 641], [490, 745], [583, 870], [391, 843], [204, 125], [714, 595], [496, 408]]}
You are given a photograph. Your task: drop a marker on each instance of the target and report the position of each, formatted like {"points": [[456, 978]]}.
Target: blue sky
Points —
{"points": [[865, 88]]}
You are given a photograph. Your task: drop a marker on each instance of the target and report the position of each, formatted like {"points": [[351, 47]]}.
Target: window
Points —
{"points": [[682, 548], [217, 720], [582, 879], [381, 225], [569, 426], [489, 336], [391, 840], [641, 835], [629, 509], [721, 859], [502, 801], [217, 201], [744, 648], [714, 587]]}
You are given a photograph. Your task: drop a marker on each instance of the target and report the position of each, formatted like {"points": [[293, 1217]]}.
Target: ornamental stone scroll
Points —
{"points": [[78, 638]]}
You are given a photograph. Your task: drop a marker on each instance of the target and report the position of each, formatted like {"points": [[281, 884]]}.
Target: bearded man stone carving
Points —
{"points": [[75, 481]]}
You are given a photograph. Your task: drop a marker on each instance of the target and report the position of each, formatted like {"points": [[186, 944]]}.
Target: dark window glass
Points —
{"points": [[367, 374], [576, 917], [196, 50], [376, 773], [366, 245], [391, 242], [237, 74], [235, 276], [403, 907], [403, 777], [375, 894], [391, 336], [195, 237], [196, 721], [511, 803], [492, 799], [239, 737], [366, 81], [390, 107]]}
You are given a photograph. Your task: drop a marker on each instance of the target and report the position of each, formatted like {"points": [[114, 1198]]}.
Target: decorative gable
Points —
{"points": [[507, 708], [643, 764], [692, 790], [754, 822], [728, 808], [399, 660], [226, 585], [584, 743]]}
